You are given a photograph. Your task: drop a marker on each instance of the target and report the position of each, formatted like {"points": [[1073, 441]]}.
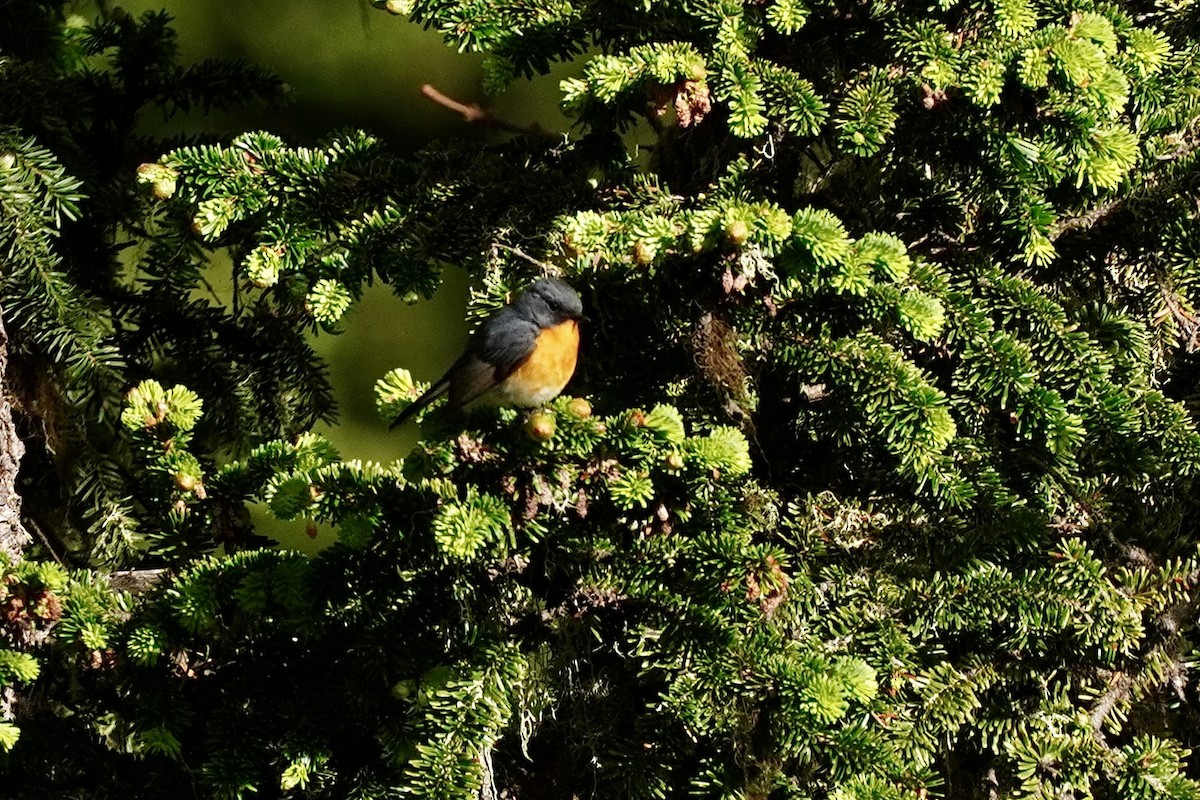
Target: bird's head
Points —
{"points": [[549, 302]]}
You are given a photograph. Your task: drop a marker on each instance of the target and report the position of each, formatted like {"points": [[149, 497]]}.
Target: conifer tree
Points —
{"points": [[877, 482]]}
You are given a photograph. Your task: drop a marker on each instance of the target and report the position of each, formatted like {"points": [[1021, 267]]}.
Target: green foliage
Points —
{"points": [[866, 116], [9, 734], [461, 529], [40, 598], [94, 299], [16, 666], [884, 482], [395, 391]]}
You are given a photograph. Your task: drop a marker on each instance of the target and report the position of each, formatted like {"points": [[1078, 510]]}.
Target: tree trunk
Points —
{"points": [[13, 536]]}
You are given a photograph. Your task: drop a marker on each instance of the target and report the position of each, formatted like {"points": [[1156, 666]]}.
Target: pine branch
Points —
{"points": [[1118, 692], [137, 581], [846, 227], [1086, 221], [1174, 623]]}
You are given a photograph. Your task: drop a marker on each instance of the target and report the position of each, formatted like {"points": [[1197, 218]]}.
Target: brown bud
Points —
{"points": [[933, 99], [692, 103], [674, 461], [569, 246], [14, 611], [579, 408], [184, 481], [643, 253], [737, 232], [163, 189], [47, 605], [540, 426]]}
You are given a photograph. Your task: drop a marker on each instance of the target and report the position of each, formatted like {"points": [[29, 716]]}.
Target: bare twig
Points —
{"points": [[549, 269], [1137, 556], [1189, 326], [1186, 147], [136, 581], [1085, 221], [1118, 690], [993, 784], [1104, 211], [477, 114], [45, 540]]}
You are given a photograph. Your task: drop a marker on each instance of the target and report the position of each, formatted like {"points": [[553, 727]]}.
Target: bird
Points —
{"points": [[523, 355]]}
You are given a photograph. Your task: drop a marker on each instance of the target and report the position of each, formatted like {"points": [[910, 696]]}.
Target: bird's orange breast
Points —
{"points": [[542, 376]]}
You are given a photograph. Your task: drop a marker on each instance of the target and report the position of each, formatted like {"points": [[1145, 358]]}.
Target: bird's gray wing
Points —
{"points": [[499, 347]]}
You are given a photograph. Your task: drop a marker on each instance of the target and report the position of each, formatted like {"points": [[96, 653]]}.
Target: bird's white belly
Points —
{"points": [[513, 393]]}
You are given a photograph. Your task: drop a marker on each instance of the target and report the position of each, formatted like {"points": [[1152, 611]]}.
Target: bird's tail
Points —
{"points": [[431, 394]]}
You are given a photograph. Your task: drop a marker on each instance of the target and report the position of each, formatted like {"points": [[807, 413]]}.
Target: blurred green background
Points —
{"points": [[350, 65]]}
